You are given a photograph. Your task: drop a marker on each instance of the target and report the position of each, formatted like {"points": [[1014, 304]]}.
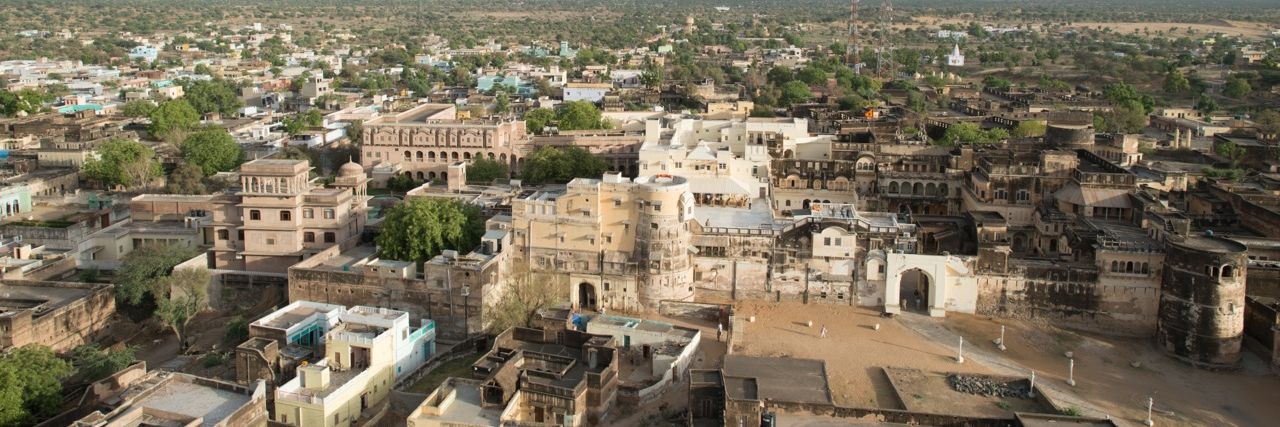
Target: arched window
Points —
{"points": [[1128, 267], [1228, 271], [1115, 267], [1146, 268], [408, 155], [893, 187]]}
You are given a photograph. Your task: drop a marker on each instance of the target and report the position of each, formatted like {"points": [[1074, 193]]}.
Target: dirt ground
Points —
{"points": [[1104, 376], [1107, 384], [853, 350]]}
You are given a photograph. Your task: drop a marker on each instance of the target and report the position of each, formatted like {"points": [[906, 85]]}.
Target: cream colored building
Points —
{"points": [[726, 162], [366, 349], [623, 244]]}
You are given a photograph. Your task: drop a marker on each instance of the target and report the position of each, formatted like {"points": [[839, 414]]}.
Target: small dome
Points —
{"points": [[351, 169]]}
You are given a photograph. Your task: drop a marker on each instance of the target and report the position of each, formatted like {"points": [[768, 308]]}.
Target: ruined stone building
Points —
{"points": [[57, 315]]}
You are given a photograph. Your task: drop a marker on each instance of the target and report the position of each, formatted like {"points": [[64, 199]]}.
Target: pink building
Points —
{"points": [[426, 139]]}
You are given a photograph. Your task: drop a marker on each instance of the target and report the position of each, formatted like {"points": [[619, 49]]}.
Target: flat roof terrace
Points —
{"points": [[42, 298]]}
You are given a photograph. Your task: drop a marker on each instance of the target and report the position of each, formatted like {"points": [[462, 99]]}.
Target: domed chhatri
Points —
{"points": [[350, 169]]}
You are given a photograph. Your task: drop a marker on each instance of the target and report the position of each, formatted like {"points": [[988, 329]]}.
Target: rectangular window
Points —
{"points": [[309, 237], [271, 241], [223, 234], [330, 237], [329, 214], [308, 213], [255, 215], [286, 215]]}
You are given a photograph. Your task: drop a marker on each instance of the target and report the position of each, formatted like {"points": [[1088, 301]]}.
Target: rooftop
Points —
{"points": [[186, 395], [41, 297], [770, 378]]}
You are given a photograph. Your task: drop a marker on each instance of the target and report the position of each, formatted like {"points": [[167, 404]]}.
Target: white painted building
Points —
{"points": [[956, 58]]}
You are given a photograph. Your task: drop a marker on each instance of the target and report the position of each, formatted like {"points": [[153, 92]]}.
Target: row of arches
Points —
{"points": [[1226, 271], [451, 156], [423, 176], [837, 184], [918, 189], [439, 138], [1130, 267]]}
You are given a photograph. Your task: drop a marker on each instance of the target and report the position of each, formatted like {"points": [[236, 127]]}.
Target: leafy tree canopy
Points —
{"points": [[30, 384], [145, 268], [208, 96], [123, 162], [420, 228], [561, 165], [172, 116], [485, 170], [213, 150]]}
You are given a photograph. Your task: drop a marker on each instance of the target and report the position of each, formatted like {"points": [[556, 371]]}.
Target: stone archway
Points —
{"points": [[914, 291], [586, 296], [926, 277]]}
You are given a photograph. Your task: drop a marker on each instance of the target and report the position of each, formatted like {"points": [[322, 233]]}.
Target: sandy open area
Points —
{"points": [[853, 350], [1107, 384], [1183, 394]]}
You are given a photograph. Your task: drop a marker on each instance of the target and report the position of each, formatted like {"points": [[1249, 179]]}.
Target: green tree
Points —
{"points": [[502, 103], [485, 170], [1206, 105], [793, 92], [213, 150], [537, 119], [9, 103], [1268, 122], [187, 178], [95, 363], [971, 133], [420, 228], [182, 296], [138, 108], [527, 293], [1127, 95], [172, 117], [561, 165], [145, 268], [1176, 82], [401, 183], [580, 115], [1237, 88], [208, 96], [124, 163], [1232, 152], [1029, 129], [1128, 119], [917, 102], [296, 124], [30, 384], [996, 83]]}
